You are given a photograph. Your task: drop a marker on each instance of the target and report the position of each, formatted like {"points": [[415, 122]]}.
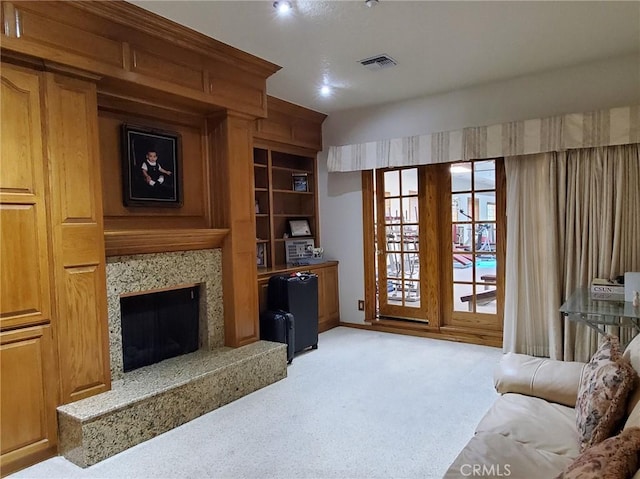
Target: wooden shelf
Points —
{"points": [[281, 202], [287, 268], [282, 240], [292, 170], [120, 243], [293, 192]]}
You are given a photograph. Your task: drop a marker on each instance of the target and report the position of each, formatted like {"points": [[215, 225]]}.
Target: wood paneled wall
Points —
{"points": [[54, 329], [113, 112], [89, 68], [290, 125], [136, 51]]}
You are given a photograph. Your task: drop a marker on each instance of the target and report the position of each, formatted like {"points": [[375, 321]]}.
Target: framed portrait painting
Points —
{"points": [[151, 167]]}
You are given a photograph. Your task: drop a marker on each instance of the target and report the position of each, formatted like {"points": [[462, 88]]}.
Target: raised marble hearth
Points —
{"points": [[162, 396]]}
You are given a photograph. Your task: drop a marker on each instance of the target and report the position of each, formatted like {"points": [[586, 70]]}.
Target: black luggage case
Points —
{"points": [[298, 294], [279, 327]]}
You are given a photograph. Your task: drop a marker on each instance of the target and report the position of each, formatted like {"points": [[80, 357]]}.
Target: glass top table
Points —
{"points": [[597, 313]]}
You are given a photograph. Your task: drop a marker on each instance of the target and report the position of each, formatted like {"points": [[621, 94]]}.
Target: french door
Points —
{"points": [[401, 290], [475, 250], [439, 246]]}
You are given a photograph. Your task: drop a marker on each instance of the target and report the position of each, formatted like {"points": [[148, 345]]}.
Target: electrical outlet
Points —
{"points": [[360, 305]]}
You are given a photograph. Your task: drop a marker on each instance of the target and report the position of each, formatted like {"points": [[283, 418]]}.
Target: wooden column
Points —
{"points": [[77, 237], [233, 207]]}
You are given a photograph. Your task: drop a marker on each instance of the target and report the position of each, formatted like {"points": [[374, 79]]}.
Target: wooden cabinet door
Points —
{"points": [[328, 304], [331, 296], [24, 274], [322, 309], [27, 397], [77, 237], [28, 394]]}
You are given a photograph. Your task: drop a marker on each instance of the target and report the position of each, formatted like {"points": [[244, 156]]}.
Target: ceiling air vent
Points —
{"points": [[378, 62]]}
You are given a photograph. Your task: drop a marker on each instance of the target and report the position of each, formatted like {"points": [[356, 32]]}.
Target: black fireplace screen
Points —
{"points": [[158, 326]]}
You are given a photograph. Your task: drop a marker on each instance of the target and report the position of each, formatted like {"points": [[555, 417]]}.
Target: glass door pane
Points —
{"points": [[398, 242], [473, 234]]}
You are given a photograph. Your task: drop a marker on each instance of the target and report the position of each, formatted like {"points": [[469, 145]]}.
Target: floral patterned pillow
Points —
{"points": [[613, 458], [602, 396]]}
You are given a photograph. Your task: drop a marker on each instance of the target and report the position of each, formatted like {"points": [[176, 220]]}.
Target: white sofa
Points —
{"points": [[530, 431]]}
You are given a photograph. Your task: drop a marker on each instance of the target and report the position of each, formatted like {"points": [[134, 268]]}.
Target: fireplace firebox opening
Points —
{"points": [[159, 325]]}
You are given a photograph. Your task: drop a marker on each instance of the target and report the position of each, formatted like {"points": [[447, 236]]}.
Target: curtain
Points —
{"points": [[571, 216], [614, 126], [532, 282]]}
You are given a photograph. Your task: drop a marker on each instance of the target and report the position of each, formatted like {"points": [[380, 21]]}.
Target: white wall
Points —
{"points": [[588, 87]]}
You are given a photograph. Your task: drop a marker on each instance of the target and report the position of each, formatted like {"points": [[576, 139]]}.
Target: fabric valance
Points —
{"points": [[616, 126]]}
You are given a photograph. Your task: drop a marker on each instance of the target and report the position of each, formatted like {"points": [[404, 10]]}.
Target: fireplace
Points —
{"points": [[136, 274], [153, 399], [158, 326]]}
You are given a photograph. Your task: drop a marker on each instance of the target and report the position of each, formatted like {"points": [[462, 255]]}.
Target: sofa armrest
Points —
{"points": [[549, 379]]}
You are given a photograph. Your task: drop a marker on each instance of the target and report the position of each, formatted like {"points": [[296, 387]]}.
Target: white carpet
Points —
{"points": [[363, 405]]}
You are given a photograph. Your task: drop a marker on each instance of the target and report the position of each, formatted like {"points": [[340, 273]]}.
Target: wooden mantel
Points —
{"points": [[120, 243]]}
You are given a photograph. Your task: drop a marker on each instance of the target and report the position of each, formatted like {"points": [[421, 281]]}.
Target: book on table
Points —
{"points": [[606, 289]]}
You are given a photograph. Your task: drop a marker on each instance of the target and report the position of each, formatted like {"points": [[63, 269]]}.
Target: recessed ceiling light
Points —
{"points": [[325, 90], [283, 6], [370, 3]]}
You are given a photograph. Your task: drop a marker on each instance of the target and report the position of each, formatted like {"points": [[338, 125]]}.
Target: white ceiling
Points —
{"points": [[439, 46]]}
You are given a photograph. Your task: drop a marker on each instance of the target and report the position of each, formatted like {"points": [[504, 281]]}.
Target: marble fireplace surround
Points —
{"points": [[151, 400], [151, 272]]}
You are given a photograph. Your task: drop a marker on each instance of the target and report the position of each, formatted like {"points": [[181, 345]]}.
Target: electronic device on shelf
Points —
{"points": [[299, 251]]}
